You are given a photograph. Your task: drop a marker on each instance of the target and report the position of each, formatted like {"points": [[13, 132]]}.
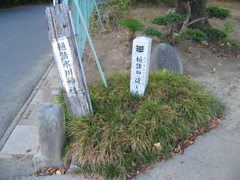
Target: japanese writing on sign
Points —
{"points": [[140, 65], [65, 64]]}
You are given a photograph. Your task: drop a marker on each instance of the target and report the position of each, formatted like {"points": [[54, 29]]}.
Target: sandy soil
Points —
{"points": [[220, 75]]}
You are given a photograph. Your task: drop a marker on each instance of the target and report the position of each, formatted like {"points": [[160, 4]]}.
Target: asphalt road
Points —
{"points": [[25, 54]]}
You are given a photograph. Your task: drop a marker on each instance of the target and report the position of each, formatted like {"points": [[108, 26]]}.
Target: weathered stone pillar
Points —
{"points": [[52, 134]]}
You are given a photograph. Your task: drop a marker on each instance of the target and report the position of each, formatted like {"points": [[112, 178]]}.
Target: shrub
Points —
{"points": [[152, 32], [217, 12], [178, 38], [161, 20], [214, 33], [228, 27], [194, 34], [174, 17], [120, 136]]}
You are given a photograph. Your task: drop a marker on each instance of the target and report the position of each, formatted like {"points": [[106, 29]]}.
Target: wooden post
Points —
{"points": [[67, 60]]}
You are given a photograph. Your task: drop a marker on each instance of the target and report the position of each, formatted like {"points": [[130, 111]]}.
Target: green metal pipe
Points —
{"points": [[91, 44], [103, 30]]}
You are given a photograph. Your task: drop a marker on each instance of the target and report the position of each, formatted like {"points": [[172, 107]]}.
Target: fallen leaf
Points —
{"points": [[202, 131], [231, 84], [164, 160], [176, 138], [188, 75], [214, 125], [58, 172], [180, 148], [159, 159], [62, 170], [191, 142], [144, 171], [67, 171], [219, 64], [156, 147], [187, 51], [214, 69], [51, 171], [150, 167]]}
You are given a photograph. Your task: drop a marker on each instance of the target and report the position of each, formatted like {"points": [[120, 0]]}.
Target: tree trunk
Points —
{"points": [[197, 11]]}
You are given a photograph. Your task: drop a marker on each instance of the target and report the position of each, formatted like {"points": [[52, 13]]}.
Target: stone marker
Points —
{"points": [[141, 52], [164, 56], [52, 134]]}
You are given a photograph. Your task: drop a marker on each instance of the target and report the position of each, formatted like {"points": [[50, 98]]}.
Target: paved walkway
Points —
{"points": [[21, 142]]}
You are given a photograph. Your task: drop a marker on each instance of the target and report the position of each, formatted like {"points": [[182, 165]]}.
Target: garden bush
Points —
{"points": [[213, 33], [161, 20], [152, 32], [194, 34], [217, 12]]}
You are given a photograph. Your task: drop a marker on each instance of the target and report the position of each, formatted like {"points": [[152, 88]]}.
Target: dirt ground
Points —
{"points": [[220, 74]]}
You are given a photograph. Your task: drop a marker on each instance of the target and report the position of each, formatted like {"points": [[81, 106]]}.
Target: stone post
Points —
{"points": [[52, 135], [140, 65]]}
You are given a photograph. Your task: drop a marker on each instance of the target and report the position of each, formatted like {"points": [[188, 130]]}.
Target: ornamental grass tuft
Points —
{"points": [[120, 136]]}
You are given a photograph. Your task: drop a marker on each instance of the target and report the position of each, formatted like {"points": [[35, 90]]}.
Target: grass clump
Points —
{"points": [[120, 137]]}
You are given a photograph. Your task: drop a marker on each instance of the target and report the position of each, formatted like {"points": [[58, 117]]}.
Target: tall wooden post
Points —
{"points": [[67, 60]]}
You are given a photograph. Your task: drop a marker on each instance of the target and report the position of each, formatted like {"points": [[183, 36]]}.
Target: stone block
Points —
{"points": [[164, 56], [52, 134]]}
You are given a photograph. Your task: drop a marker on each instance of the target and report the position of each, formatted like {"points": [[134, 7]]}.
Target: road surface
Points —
{"points": [[25, 54]]}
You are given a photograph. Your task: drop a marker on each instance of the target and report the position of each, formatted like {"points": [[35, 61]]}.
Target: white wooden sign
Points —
{"points": [[64, 62], [140, 65]]}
